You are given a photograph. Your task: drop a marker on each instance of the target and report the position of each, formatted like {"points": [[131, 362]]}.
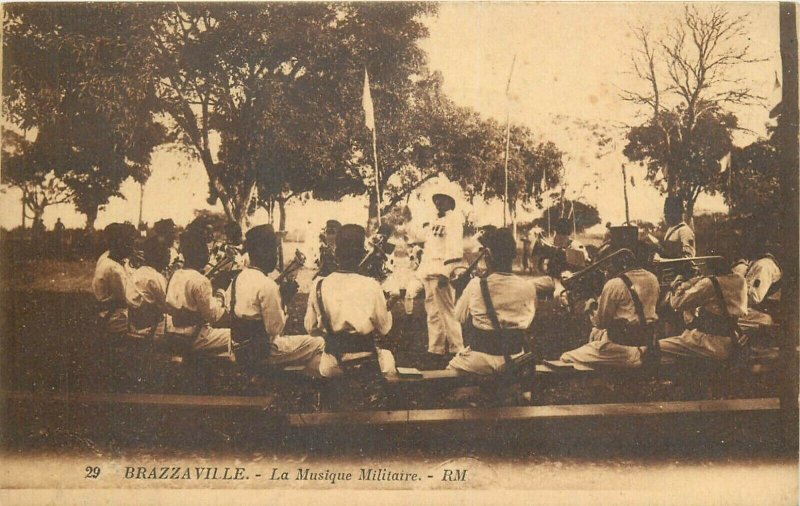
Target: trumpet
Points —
{"points": [[588, 283]]}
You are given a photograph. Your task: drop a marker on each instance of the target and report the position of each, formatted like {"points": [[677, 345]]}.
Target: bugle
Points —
{"points": [[667, 269], [296, 264]]}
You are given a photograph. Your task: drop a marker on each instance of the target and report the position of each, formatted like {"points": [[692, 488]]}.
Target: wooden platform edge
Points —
{"points": [[205, 401], [552, 412]]}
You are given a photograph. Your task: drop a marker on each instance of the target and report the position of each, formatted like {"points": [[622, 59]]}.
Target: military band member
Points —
{"points": [[718, 301], [496, 310], [146, 292], [326, 262], [111, 278], [348, 309], [414, 286], [679, 240], [165, 229], [763, 276], [256, 310], [193, 308], [550, 284], [444, 251], [622, 320]]}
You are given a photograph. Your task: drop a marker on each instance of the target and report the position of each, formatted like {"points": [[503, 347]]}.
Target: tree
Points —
{"points": [[533, 167], [689, 84], [241, 72], [753, 181], [68, 77], [695, 161], [585, 215], [40, 188]]}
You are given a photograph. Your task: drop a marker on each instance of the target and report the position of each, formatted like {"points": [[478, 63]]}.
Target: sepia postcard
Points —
{"points": [[399, 253]]}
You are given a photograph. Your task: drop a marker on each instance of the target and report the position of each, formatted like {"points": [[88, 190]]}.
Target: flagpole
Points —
{"points": [[377, 174], [506, 209]]}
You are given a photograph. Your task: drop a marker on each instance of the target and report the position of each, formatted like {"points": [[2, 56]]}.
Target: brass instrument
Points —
{"points": [[668, 269], [588, 283], [296, 264], [462, 279]]}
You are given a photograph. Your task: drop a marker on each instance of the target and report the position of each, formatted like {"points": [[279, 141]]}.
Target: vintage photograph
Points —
{"points": [[327, 250]]}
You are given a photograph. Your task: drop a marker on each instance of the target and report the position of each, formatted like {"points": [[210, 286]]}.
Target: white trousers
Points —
{"points": [[444, 331], [600, 351], [477, 362], [694, 343], [295, 350], [326, 365], [414, 288]]}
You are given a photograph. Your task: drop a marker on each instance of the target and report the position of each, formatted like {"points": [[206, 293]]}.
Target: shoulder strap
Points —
{"points": [[672, 231], [720, 296], [233, 295], [487, 300], [326, 321], [637, 303]]}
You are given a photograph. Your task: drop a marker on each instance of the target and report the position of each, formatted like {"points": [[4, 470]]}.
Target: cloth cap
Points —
{"points": [[332, 226], [260, 238], [673, 205], [350, 242], [194, 248], [500, 241], [164, 226]]}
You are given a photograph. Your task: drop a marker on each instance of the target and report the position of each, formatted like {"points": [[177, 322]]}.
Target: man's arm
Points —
{"points": [[462, 306], [759, 281], [691, 294], [607, 304], [211, 308], [311, 320], [382, 318], [269, 300]]}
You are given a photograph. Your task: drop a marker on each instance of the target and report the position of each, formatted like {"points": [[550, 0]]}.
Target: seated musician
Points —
{"points": [[111, 278], [348, 309], [575, 256], [763, 275], [256, 309], [716, 302], [495, 309], [622, 320], [193, 308], [679, 240], [146, 292]]}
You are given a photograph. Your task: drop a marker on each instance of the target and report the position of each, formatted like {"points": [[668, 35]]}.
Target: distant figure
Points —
{"points": [[526, 246], [58, 237], [326, 262]]}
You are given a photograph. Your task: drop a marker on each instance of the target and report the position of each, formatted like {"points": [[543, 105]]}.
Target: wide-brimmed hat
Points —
{"points": [[446, 197]]}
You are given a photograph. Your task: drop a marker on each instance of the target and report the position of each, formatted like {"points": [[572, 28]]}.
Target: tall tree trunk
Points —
{"points": [[24, 198], [282, 211], [787, 141], [91, 217], [689, 212]]}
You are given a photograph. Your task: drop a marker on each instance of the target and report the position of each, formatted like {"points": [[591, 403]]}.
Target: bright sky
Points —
{"points": [[571, 59]]}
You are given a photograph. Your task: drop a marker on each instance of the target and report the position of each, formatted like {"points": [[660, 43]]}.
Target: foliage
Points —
{"points": [[688, 84], [586, 215], [69, 78]]}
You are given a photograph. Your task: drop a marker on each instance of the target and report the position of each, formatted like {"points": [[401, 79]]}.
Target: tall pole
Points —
{"points": [[506, 208], [377, 174], [141, 201], [625, 193]]}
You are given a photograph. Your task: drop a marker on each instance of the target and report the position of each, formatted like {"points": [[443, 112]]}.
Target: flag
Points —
{"points": [[366, 103], [725, 162]]}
